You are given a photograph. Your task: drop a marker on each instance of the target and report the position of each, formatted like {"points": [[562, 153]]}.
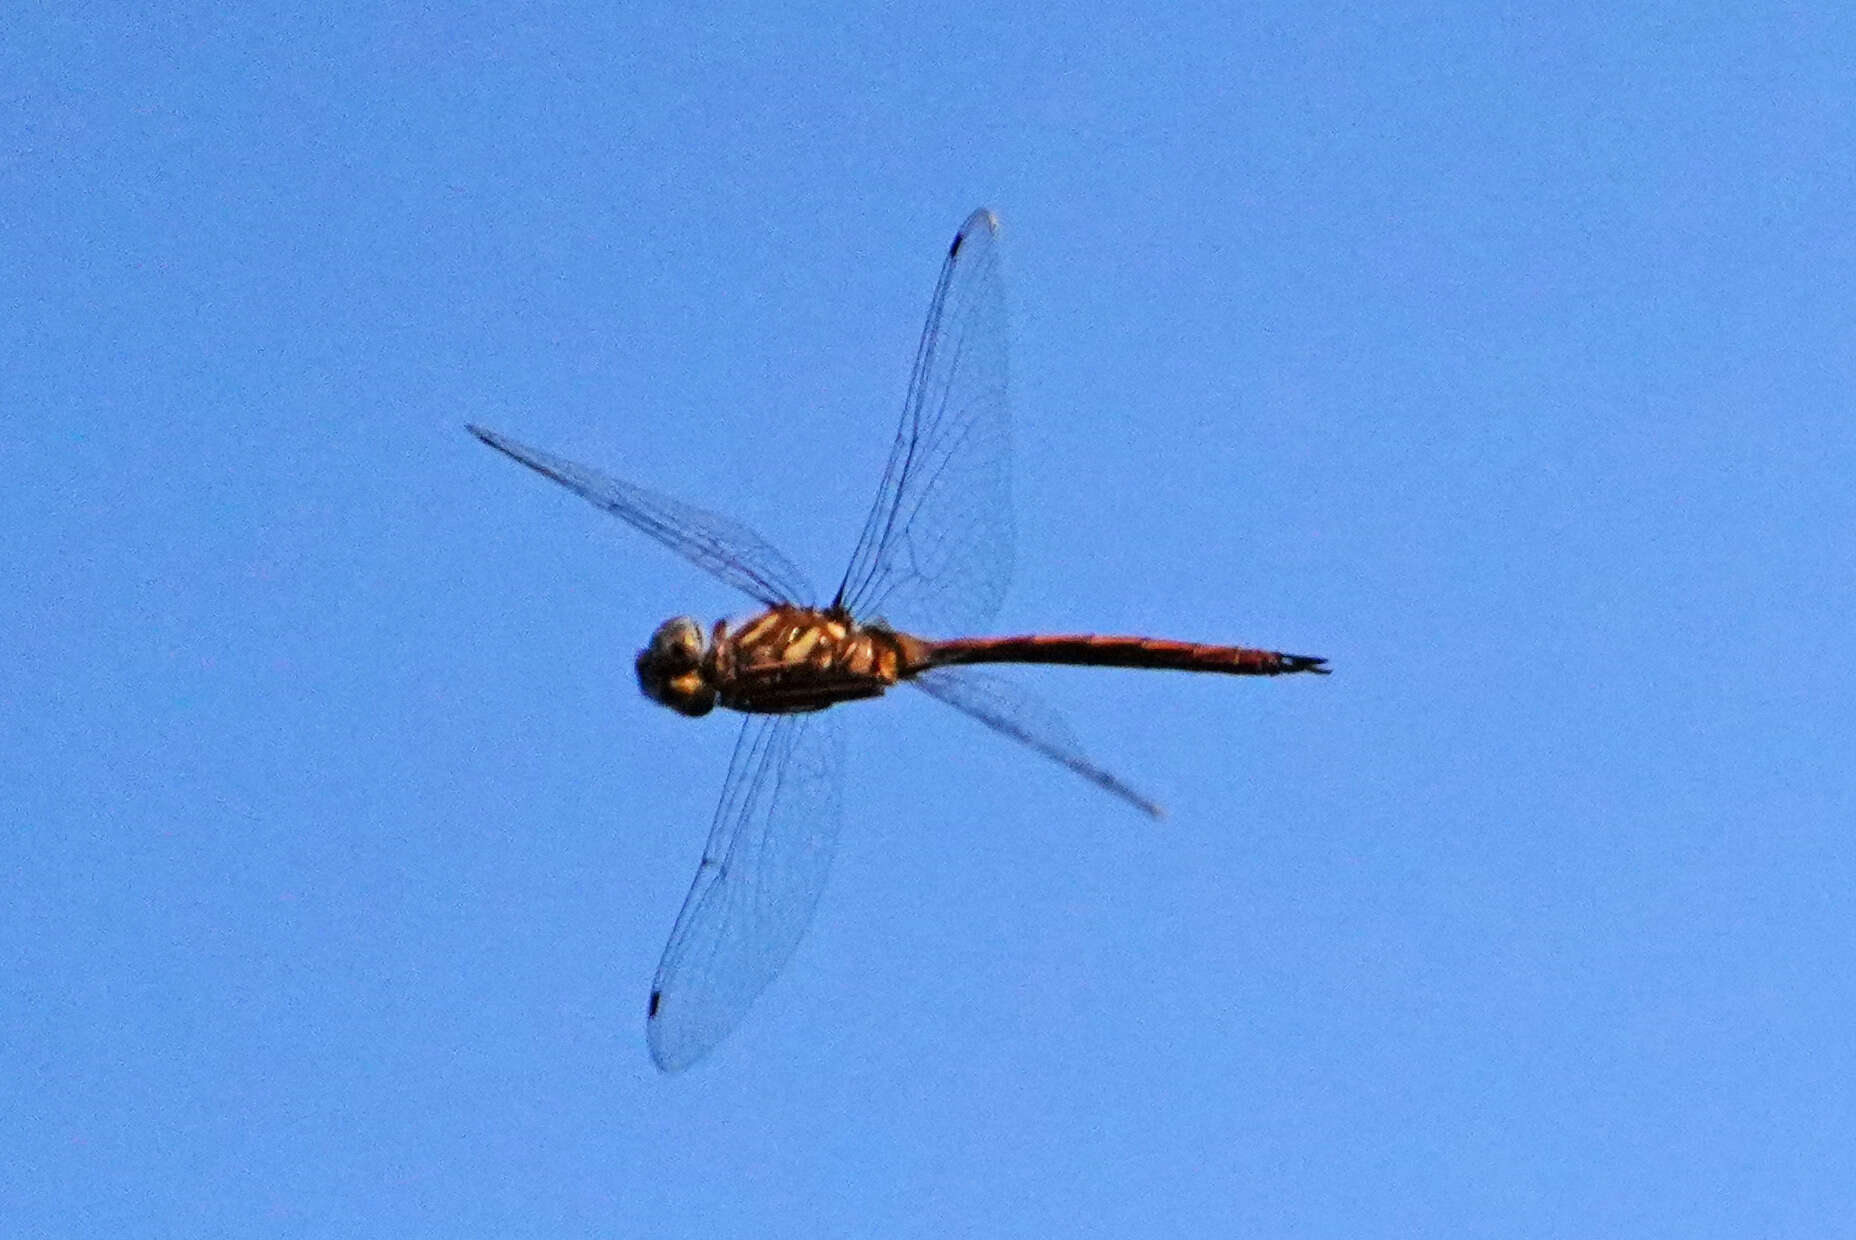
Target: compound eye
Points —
{"points": [[670, 668], [677, 645]]}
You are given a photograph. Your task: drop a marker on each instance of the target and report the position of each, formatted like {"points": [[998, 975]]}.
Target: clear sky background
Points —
{"points": [[1507, 361]]}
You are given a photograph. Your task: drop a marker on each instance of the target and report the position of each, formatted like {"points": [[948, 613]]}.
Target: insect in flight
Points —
{"points": [[935, 552]]}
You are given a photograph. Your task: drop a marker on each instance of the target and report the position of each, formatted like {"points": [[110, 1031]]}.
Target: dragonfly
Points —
{"points": [[936, 553]]}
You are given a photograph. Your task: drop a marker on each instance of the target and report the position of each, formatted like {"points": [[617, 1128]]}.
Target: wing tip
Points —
{"points": [[983, 219], [669, 1057]]}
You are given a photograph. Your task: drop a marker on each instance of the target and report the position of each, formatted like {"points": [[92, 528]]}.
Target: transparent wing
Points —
{"points": [[726, 548], [1007, 707], [761, 874], [936, 550]]}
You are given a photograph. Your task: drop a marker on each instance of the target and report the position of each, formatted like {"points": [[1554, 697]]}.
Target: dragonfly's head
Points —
{"points": [[670, 668]]}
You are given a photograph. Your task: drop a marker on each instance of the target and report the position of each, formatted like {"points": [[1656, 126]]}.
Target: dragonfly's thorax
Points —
{"points": [[797, 659]]}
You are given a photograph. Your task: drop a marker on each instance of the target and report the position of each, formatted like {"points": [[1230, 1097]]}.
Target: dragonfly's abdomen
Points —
{"points": [[796, 659], [1094, 651]]}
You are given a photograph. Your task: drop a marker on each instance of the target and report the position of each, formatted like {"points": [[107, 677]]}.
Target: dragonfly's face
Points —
{"points": [[670, 668]]}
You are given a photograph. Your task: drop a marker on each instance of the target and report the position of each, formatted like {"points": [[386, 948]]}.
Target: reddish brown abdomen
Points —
{"points": [[1095, 651]]}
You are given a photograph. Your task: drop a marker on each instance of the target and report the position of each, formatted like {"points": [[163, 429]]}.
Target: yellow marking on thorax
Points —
{"points": [[868, 656], [797, 651], [757, 628]]}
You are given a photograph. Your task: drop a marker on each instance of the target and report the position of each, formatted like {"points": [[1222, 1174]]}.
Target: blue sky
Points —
{"points": [[1506, 361]]}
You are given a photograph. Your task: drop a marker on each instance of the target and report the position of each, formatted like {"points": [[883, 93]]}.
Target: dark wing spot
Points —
{"points": [[656, 997], [955, 247]]}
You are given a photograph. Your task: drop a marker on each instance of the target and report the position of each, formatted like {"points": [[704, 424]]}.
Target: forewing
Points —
{"points": [[1007, 707], [936, 550], [725, 548], [761, 874]]}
